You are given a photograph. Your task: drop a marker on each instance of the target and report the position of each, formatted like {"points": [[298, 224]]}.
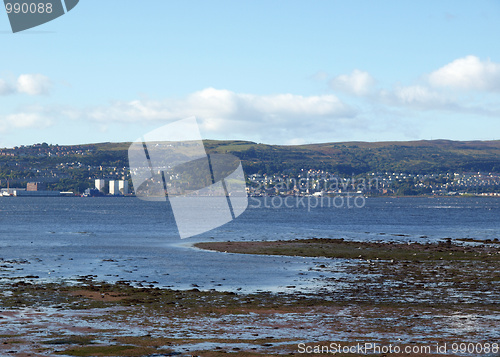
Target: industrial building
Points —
{"points": [[100, 185], [114, 188], [123, 187]]}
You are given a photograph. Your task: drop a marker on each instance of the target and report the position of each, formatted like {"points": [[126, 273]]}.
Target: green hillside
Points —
{"points": [[425, 156], [361, 157]]}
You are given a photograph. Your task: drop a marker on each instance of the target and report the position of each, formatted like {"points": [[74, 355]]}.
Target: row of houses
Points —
{"points": [[46, 150]]}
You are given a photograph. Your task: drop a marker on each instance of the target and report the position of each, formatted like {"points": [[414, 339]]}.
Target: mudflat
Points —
{"points": [[383, 294]]}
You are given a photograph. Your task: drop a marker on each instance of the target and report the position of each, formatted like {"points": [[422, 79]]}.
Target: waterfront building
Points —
{"points": [[100, 184], [114, 188]]}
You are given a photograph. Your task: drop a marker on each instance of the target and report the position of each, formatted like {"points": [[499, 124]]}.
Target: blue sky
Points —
{"points": [[279, 72]]}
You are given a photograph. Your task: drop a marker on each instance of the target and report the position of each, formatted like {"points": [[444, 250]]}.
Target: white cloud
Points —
{"points": [[358, 82], [433, 90], [468, 73], [34, 84], [414, 97], [31, 84], [223, 113]]}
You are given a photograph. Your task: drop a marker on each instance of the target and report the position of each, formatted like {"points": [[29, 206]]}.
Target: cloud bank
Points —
{"points": [[287, 117], [269, 118], [213, 103]]}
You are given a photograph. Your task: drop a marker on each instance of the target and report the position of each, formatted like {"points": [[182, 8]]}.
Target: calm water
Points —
{"points": [[125, 238]]}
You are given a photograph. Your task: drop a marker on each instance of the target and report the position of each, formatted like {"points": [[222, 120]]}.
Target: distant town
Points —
{"points": [[102, 170], [316, 183], [320, 183]]}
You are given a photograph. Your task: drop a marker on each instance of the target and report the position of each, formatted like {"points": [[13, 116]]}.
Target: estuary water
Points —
{"points": [[127, 239]]}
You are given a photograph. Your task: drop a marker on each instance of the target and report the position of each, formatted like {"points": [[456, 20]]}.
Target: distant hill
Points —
{"points": [[362, 157], [74, 167], [424, 156]]}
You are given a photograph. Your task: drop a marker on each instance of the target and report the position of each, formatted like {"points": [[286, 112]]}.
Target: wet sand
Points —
{"points": [[447, 249], [412, 295]]}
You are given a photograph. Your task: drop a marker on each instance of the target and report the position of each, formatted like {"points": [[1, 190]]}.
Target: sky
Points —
{"points": [[275, 72]]}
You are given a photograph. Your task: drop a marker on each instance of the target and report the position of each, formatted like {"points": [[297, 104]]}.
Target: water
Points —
{"points": [[128, 239]]}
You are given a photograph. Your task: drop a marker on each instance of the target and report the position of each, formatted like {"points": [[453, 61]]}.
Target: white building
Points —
{"points": [[114, 188], [118, 187], [100, 184], [123, 187]]}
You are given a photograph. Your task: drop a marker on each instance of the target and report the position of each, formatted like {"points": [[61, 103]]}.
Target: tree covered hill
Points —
{"points": [[74, 167], [418, 157]]}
